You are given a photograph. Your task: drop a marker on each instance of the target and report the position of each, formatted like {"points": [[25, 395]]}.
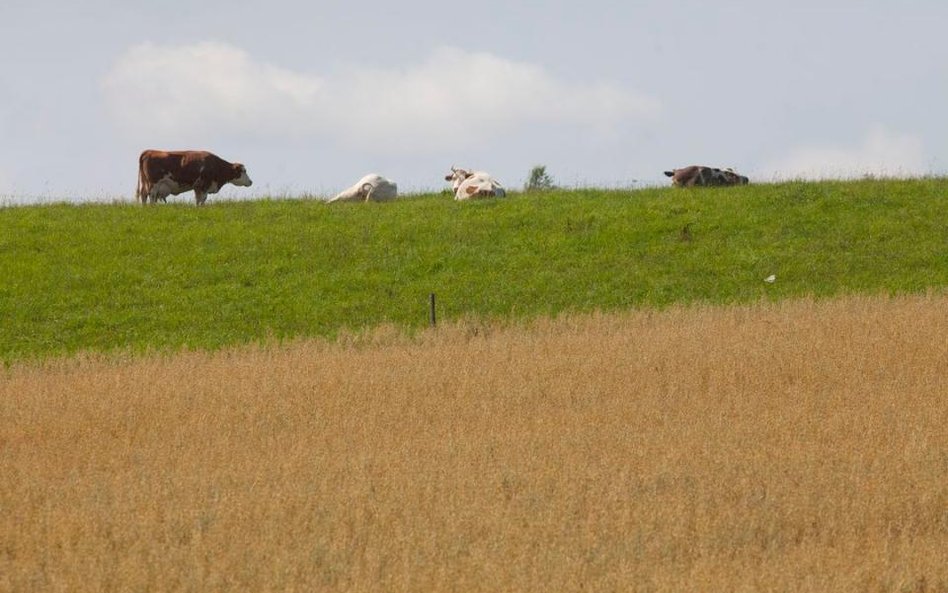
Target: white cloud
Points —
{"points": [[211, 89], [193, 91], [882, 153]]}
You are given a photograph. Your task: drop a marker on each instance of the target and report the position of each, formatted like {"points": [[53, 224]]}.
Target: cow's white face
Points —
{"points": [[244, 179], [456, 177]]}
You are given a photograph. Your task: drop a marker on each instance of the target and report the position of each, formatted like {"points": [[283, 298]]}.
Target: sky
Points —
{"points": [[311, 96]]}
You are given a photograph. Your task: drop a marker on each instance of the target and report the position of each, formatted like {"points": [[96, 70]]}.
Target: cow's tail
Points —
{"points": [[140, 192]]}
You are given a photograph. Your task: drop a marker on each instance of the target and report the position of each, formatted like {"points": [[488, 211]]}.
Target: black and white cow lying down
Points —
{"points": [[699, 175]]}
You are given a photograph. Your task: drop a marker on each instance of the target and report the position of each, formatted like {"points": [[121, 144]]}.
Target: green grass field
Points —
{"points": [[123, 277]]}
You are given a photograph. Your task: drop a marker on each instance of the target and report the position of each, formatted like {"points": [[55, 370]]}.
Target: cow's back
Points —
{"points": [[184, 166], [377, 188], [479, 185], [372, 187], [385, 190]]}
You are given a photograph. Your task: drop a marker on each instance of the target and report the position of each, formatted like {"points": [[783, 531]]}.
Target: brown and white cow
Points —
{"points": [[699, 175], [473, 184], [165, 173]]}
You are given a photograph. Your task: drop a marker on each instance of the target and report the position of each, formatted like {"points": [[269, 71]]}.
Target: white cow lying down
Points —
{"points": [[474, 184], [371, 188]]}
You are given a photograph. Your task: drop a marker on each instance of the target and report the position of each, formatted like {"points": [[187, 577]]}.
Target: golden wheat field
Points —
{"points": [[800, 446]]}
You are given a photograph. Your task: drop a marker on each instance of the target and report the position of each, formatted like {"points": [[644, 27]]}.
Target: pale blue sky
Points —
{"points": [[312, 95]]}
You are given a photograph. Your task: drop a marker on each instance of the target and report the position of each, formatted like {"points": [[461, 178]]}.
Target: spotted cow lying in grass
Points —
{"points": [[473, 184]]}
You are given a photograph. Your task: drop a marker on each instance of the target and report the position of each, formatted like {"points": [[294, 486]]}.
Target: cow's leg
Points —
{"points": [[200, 197]]}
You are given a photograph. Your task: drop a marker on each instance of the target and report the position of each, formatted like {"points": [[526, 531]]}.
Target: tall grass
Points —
{"points": [[796, 446], [114, 277]]}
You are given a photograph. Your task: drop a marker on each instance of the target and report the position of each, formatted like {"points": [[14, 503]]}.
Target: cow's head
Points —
{"points": [[242, 178], [456, 176], [457, 173], [730, 177]]}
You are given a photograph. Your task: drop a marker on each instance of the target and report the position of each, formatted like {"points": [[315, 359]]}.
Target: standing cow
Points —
{"points": [[165, 173], [473, 184], [699, 175], [371, 188]]}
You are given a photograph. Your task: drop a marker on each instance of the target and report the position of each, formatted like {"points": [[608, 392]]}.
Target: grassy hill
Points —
{"points": [[107, 277]]}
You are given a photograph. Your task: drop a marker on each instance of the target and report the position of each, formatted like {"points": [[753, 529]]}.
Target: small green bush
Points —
{"points": [[539, 180]]}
